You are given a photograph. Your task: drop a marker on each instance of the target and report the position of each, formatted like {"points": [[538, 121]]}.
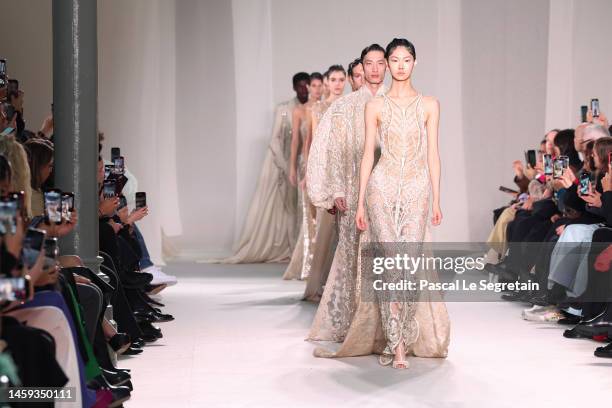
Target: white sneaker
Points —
{"points": [[532, 313], [159, 277], [546, 314]]}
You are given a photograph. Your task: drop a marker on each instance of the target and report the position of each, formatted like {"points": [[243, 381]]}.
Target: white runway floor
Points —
{"points": [[237, 341]]}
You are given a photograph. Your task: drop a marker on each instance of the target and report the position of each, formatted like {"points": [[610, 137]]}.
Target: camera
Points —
{"points": [[595, 107], [32, 244], [585, 180], [141, 199], [110, 189], [8, 215], [558, 168], [67, 206], [53, 206], [14, 289], [548, 164], [530, 157]]}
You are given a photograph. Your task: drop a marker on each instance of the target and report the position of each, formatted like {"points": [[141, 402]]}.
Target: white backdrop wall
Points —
{"points": [[187, 88]]}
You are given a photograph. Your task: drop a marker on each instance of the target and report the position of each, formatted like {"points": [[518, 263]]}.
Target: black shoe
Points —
{"points": [[574, 334], [569, 320], [540, 299], [139, 342], [147, 328], [605, 352], [133, 351], [120, 342], [116, 378]]}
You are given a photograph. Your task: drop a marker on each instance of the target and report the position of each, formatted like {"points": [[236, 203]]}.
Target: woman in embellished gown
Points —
{"points": [[299, 265], [395, 198], [326, 236], [394, 207]]}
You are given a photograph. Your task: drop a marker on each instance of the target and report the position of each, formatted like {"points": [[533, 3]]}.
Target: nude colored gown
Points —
{"points": [[397, 206]]}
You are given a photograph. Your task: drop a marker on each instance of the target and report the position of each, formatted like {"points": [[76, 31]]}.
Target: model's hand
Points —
{"points": [[340, 203], [436, 217], [360, 220], [293, 177]]}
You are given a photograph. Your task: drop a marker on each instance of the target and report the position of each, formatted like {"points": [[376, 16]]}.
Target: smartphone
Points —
{"points": [[558, 168], [585, 180], [51, 252], [115, 152], [8, 216], [141, 199], [108, 170], [122, 202], [583, 113], [14, 289], [3, 81], [548, 164], [19, 196], [595, 107], [565, 160], [67, 206], [32, 244], [53, 206], [109, 189], [507, 190], [118, 166], [530, 157]]}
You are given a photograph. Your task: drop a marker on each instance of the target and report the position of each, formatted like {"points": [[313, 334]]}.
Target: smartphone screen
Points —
{"points": [[32, 244], [108, 170], [122, 202], [67, 206], [585, 180], [8, 216], [565, 160], [118, 164], [2, 73], [115, 152], [13, 289], [530, 156], [548, 164], [583, 113], [141, 200], [558, 168], [109, 189], [53, 206], [595, 107], [51, 252]]}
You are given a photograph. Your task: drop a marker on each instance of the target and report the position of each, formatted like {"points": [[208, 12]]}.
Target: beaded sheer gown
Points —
{"points": [[333, 172], [301, 258], [397, 202], [270, 232]]}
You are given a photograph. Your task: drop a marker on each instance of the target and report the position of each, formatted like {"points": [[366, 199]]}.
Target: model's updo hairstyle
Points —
{"points": [[352, 65], [400, 42], [316, 75], [335, 68]]}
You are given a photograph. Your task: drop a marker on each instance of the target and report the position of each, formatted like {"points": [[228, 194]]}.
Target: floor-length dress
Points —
{"points": [[299, 265], [326, 234], [397, 204], [333, 172], [269, 233]]}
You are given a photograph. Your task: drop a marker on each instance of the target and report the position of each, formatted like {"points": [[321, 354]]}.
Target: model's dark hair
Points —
{"points": [[5, 169], [335, 68], [40, 154], [564, 140], [352, 65], [400, 42], [373, 47], [301, 76], [316, 75]]}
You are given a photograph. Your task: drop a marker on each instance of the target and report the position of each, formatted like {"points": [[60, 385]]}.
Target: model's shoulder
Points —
{"points": [[430, 100]]}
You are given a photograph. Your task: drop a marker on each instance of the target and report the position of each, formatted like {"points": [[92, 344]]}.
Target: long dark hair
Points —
{"points": [[40, 154], [564, 140]]}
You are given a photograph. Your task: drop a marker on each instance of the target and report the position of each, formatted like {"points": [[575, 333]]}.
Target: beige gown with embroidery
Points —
{"points": [[325, 238], [333, 171], [397, 205], [301, 258]]}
